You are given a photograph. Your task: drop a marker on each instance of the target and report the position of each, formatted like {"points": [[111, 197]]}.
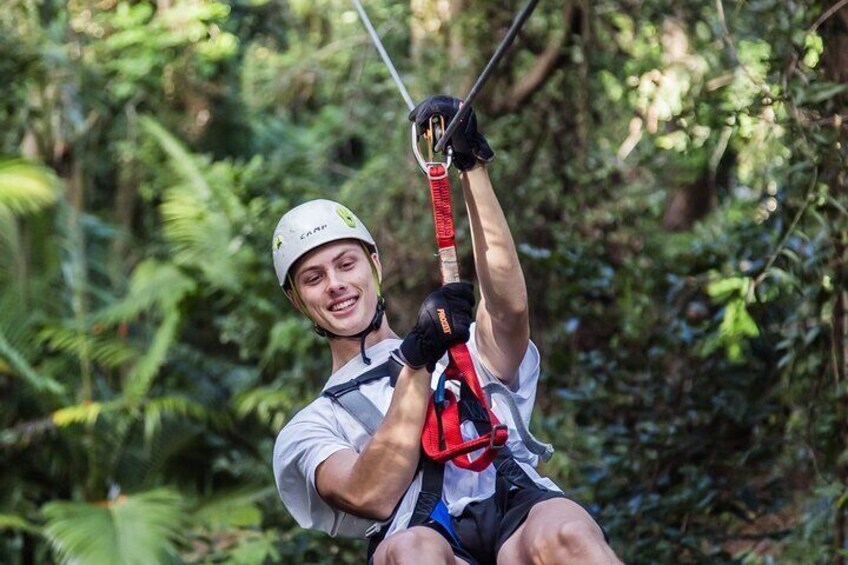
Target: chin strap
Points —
{"points": [[375, 324]]}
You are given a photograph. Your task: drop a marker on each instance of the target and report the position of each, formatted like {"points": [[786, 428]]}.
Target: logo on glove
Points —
{"points": [[443, 319]]}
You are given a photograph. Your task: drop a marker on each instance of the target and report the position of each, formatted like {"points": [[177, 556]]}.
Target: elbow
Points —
{"points": [[373, 506], [513, 312], [518, 310], [381, 510], [511, 305]]}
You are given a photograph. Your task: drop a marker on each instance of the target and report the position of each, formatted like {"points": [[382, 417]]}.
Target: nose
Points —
{"points": [[335, 285]]}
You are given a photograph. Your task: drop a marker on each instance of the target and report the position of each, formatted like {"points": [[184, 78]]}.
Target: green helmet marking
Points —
{"points": [[346, 216], [278, 241]]}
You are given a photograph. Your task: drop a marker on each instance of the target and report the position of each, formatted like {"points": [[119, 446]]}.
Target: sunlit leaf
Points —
{"points": [[25, 187], [86, 413]]}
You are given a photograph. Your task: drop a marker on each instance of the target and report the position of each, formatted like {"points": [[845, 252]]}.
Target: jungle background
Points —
{"points": [[674, 174]]}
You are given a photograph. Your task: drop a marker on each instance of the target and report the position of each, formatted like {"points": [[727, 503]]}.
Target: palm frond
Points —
{"points": [[11, 256], [15, 522], [23, 369], [26, 187], [235, 508], [216, 195], [182, 161], [200, 238], [85, 413], [145, 370], [136, 529], [107, 350], [201, 217], [168, 406], [154, 285], [271, 405]]}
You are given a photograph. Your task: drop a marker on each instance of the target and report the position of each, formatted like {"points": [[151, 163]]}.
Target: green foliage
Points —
{"points": [[140, 528], [690, 371], [25, 188]]}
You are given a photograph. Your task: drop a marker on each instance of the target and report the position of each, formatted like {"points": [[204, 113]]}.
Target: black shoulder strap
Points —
{"points": [[348, 396]]}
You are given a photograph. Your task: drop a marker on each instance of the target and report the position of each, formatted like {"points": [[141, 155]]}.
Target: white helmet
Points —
{"points": [[310, 225]]}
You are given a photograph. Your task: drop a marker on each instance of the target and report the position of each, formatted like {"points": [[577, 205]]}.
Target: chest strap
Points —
{"points": [[348, 396]]}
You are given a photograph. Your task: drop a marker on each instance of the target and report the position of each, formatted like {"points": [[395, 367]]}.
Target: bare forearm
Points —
{"points": [[384, 469], [501, 280], [503, 322]]}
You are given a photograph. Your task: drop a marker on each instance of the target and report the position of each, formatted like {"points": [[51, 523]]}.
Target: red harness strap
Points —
{"points": [[442, 435]]}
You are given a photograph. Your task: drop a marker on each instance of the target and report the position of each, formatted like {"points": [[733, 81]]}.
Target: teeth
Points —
{"points": [[342, 305]]}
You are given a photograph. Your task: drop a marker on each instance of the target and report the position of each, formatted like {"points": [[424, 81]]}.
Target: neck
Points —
{"points": [[343, 350]]}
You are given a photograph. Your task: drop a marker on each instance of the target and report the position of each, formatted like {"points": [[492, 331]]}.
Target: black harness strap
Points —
{"points": [[372, 374], [432, 477], [357, 404]]}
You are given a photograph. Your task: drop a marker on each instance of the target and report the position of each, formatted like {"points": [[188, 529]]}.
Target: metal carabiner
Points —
{"points": [[432, 135]]}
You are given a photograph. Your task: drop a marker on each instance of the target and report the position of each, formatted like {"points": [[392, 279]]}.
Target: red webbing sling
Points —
{"points": [[442, 436]]}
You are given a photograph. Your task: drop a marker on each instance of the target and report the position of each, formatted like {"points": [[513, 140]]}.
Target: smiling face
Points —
{"points": [[336, 286]]}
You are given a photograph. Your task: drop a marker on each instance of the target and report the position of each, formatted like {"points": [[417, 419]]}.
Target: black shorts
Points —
{"points": [[485, 525]]}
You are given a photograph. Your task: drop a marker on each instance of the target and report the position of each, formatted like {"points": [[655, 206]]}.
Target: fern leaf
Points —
{"points": [[23, 369], [86, 413], [200, 238], [271, 405], [156, 408], [181, 159], [200, 216], [144, 372], [154, 285], [134, 530], [106, 350], [236, 508]]}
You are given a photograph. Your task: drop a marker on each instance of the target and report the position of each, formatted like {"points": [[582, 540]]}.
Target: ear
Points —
{"points": [[294, 301], [379, 266]]}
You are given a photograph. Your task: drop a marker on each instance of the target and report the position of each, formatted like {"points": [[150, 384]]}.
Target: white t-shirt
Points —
{"points": [[323, 428]]}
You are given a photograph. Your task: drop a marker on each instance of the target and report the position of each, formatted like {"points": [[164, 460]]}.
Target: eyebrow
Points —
{"points": [[333, 260]]}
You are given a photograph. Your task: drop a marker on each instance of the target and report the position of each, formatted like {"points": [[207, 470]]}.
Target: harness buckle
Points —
{"points": [[493, 436]]}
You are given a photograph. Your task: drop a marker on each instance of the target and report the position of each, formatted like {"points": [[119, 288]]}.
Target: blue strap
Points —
{"points": [[439, 395], [441, 516]]}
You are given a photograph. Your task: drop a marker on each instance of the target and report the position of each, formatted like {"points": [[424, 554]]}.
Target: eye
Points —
{"points": [[312, 279], [347, 264]]}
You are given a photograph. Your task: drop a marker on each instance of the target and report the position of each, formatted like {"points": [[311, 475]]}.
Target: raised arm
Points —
{"points": [[503, 324], [503, 321]]}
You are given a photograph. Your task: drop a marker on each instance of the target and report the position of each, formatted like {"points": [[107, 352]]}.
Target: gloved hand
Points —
{"points": [[469, 145], [443, 320]]}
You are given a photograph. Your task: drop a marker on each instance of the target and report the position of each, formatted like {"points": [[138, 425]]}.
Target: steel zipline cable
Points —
{"points": [[385, 56], [516, 26]]}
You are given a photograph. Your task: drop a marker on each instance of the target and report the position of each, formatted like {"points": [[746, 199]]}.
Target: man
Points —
{"points": [[335, 476]]}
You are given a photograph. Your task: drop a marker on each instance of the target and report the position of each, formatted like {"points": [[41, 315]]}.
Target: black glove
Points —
{"points": [[443, 320], [469, 145]]}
